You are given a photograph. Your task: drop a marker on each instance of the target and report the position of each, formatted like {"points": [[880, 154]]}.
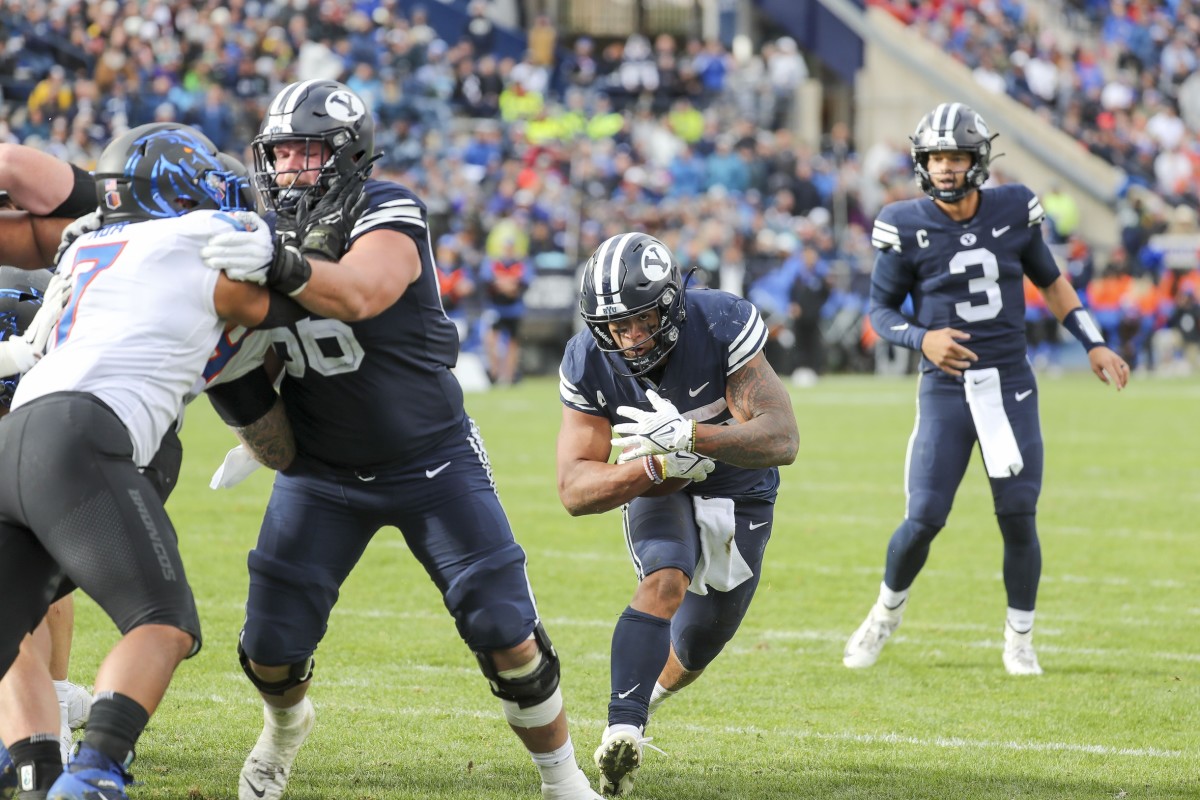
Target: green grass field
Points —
{"points": [[404, 713]]}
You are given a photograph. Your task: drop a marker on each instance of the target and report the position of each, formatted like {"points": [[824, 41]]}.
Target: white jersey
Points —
{"points": [[140, 327]]}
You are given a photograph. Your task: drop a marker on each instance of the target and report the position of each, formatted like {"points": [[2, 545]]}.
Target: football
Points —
{"points": [[668, 486]]}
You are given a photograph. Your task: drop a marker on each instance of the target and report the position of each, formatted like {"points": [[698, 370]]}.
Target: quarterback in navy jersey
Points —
{"points": [[382, 438], [962, 255], [682, 376]]}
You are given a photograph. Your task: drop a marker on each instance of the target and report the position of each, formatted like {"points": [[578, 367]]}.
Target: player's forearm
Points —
{"points": [[593, 487], [894, 327], [768, 440], [339, 293], [269, 438], [1061, 298]]}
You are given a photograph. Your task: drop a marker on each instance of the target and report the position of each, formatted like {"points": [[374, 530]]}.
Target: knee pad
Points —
{"points": [[297, 674], [531, 698]]}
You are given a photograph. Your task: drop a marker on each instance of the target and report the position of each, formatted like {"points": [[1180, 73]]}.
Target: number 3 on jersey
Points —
{"points": [[986, 284], [328, 346]]}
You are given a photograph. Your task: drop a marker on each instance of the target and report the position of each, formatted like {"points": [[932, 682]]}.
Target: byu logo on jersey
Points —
{"points": [[344, 106], [655, 263], [967, 239]]}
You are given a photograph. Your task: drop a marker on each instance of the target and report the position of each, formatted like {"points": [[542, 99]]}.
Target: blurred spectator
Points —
{"points": [[543, 40], [810, 289], [505, 280], [1062, 211], [479, 30]]}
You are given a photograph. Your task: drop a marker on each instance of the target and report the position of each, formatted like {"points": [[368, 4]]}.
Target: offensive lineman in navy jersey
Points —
{"points": [[962, 257], [688, 369], [382, 438]]}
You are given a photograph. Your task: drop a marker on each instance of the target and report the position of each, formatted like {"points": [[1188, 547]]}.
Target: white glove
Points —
{"points": [[245, 255], [692, 466], [653, 433], [85, 224], [237, 466], [58, 294], [16, 357], [19, 354]]}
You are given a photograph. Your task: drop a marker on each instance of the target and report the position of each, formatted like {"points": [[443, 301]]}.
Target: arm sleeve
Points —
{"points": [[891, 283], [82, 199], [243, 400], [1038, 262]]}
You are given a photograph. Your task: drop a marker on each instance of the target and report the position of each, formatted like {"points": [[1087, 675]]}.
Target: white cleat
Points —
{"points": [[77, 701], [576, 787], [269, 765], [618, 758], [1019, 657], [863, 648]]}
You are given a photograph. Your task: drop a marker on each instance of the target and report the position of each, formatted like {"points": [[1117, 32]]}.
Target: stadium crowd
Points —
{"points": [[530, 163]]}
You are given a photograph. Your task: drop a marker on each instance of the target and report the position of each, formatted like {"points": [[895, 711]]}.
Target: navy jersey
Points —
{"points": [[963, 275], [379, 391], [721, 334]]}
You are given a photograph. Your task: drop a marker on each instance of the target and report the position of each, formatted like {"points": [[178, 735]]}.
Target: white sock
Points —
{"points": [[623, 728], [890, 599], [1020, 621], [659, 696], [286, 717], [557, 765]]}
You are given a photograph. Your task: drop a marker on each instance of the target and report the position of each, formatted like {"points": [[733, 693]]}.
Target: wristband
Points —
{"points": [[651, 467], [324, 242], [1081, 325], [290, 271], [692, 442]]}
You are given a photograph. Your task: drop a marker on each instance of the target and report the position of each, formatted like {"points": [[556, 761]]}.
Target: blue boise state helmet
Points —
{"points": [[21, 293], [163, 170]]}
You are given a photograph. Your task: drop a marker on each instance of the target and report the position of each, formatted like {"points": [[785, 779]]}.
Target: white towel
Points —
{"points": [[237, 466], [721, 565], [1001, 455]]}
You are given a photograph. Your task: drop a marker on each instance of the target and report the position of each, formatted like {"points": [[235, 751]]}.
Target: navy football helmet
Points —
{"points": [[21, 293], [318, 113], [159, 171], [952, 126], [629, 274]]}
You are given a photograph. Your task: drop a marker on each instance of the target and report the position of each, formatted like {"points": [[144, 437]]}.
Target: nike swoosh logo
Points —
{"points": [[903, 327], [257, 791], [997, 232], [1022, 395], [697, 390], [623, 695], [433, 473], [756, 525]]}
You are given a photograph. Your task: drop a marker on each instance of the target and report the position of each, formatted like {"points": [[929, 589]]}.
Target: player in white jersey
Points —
{"points": [[144, 317], [250, 405]]}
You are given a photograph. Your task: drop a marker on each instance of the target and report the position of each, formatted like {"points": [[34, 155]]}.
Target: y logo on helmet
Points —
{"points": [[981, 126], [655, 262], [344, 106]]}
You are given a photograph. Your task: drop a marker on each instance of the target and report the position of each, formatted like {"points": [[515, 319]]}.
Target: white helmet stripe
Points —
{"points": [[611, 265], [285, 103]]}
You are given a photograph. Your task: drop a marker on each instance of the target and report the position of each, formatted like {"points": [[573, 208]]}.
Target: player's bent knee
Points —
{"points": [[530, 693], [297, 674], [494, 627]]}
